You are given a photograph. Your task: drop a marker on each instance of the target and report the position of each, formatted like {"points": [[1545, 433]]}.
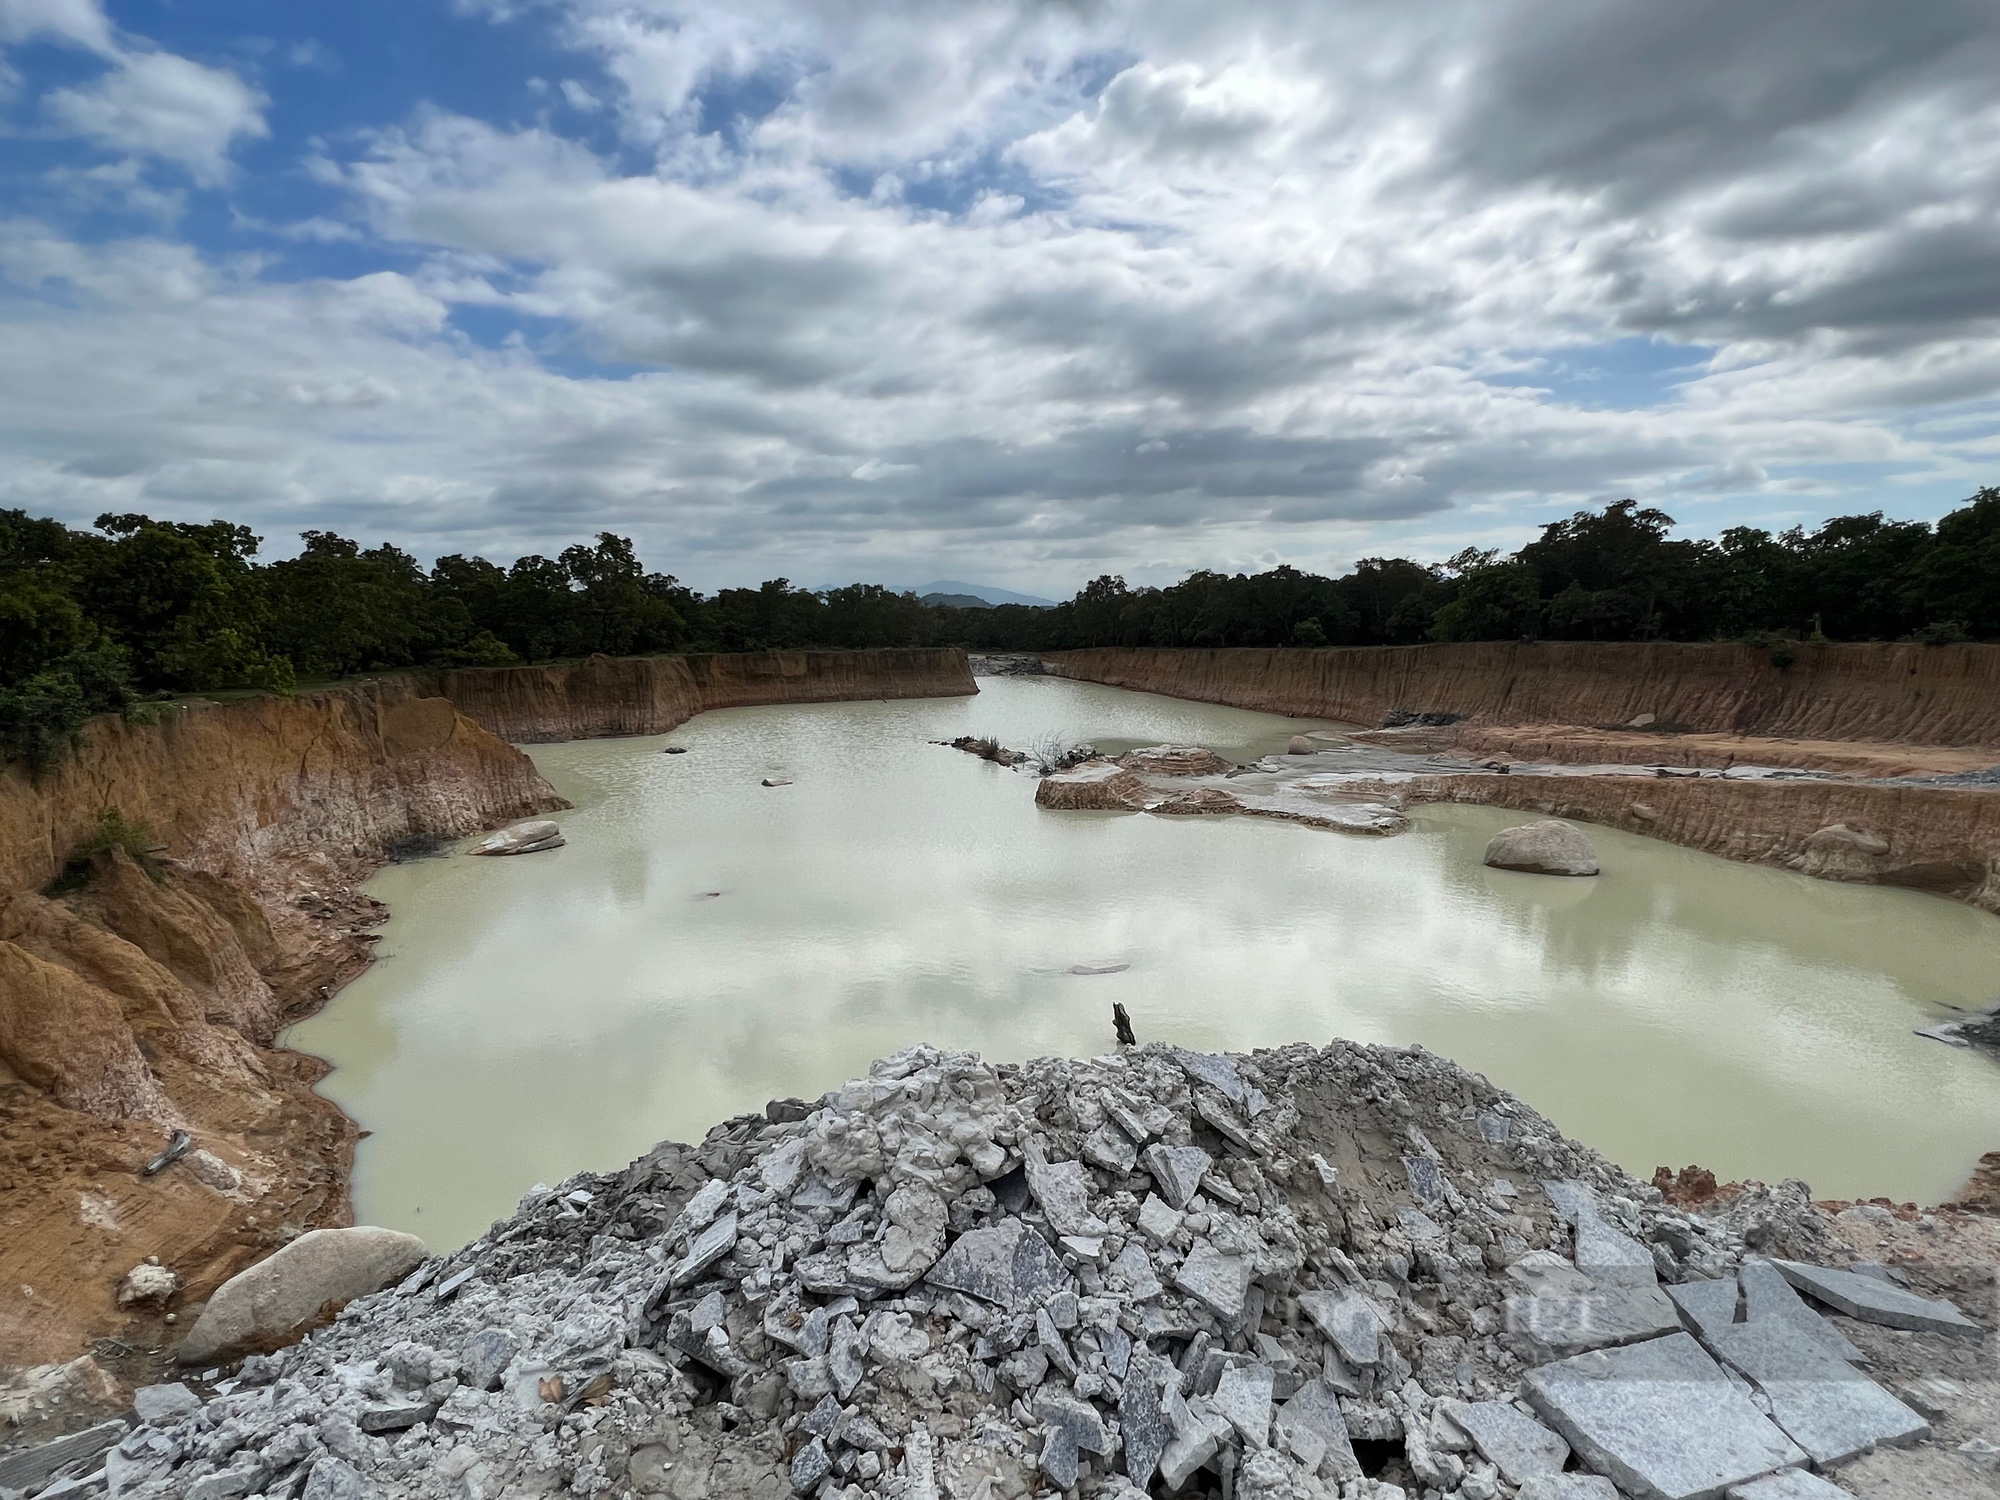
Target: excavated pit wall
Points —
{"points": [[150, 1001], [607, 696], [1932, 695], [1940, 839]]}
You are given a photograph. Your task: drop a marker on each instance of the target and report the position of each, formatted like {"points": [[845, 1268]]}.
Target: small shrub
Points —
{"points": [[1943, 633], [114, 831], [1783, 657]]}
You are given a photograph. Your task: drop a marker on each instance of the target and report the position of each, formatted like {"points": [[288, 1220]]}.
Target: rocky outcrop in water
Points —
{"points": [[1352, 1271]]}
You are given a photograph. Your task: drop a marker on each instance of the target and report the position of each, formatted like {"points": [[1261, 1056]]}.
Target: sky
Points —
{"points": [[1019, 291]]}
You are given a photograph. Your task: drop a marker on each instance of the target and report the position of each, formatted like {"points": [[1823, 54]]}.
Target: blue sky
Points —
{"points": [[1009, 291]]}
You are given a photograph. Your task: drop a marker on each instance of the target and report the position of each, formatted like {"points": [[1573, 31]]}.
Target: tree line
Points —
{"points": [[137, 608]]}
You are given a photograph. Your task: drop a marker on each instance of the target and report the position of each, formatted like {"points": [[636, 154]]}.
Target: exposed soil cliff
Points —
{"points": [[653, 694], [1931, 695], [1940, 839], [149, 1000]]}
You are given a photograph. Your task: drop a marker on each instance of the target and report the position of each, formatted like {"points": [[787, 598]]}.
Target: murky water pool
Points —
{"points": [[705, 943]]}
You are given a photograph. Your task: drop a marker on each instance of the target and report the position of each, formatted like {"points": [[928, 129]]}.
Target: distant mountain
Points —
{"points": [[954, 601], [972, 595]]}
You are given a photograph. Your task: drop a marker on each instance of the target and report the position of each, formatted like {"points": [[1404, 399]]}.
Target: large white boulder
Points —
{"points": [[279, 1298], [1551, 847]]}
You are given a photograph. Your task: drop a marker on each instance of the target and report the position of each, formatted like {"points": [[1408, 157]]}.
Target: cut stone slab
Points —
{"points": [[1792, 1484], [1569, 1324], [1661, 1419], [1518, 1445], [1178, 1171], [1706, 1304], [1348, 1319], [1243, 1395], [282, 1294], [1827, 1407], [1766, 1294], [1875, 1301], [1219, 1282], [1009, 1264]]}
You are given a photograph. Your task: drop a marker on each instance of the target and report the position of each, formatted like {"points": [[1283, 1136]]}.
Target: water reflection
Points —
{"points": [[563, 1010]]}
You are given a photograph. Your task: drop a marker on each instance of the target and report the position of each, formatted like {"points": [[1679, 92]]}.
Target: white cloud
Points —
{"points": [[78, 22], [159, 104], [1033, 290]]}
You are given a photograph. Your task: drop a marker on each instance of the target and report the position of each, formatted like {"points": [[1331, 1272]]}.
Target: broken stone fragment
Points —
{"points": [[810, 1465], [1159, 1219], [705, 1250], [1008, 1264], [1110, 1149], [1792, 1484], [1063, 1190], [1219, 1282], [1141, 1422], [1177, 1170], [148, 1284], [1349, 1320], [1768, 1296], [1243, 1395], [1069, 1427], [1511, 1440]]}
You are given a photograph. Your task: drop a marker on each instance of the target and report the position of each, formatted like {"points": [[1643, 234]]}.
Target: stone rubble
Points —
{"points": [[1350, 1273]]}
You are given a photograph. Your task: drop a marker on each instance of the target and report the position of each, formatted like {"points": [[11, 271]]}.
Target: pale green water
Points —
{"points": [[540, 1015]]}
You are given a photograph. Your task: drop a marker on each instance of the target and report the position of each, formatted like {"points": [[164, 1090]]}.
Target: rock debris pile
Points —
{"points": [[1353, 1271]]}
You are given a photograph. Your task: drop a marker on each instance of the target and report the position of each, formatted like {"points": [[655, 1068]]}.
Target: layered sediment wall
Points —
{"points": [[149, 999], [652, 694], [1932, 695], [1945, 840]]}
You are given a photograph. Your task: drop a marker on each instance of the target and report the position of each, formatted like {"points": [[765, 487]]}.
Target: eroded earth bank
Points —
{"points": [[142, 995]]}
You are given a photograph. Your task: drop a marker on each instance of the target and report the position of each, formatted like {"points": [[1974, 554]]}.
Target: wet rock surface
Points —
{"points": [[1304, 1272], [1550, 847]]}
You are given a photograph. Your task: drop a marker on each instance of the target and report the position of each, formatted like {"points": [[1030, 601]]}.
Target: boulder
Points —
{"points": [[1550, 847], [281, 1297], [522, 838], [148, 1284], [1300, 745]]}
